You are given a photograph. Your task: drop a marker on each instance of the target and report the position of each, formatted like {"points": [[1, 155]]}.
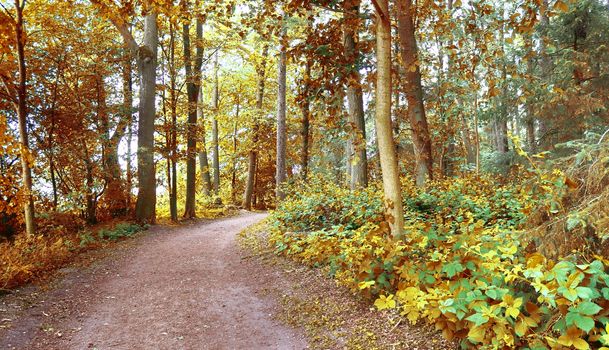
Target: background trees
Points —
{"points": [[465, 77]]}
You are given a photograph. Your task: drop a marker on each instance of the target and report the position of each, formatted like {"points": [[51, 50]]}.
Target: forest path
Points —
{"points": [[184, 287]]}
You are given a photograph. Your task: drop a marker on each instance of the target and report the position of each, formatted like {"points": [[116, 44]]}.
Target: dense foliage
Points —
{"points": [[30, 257], [464, 263]]}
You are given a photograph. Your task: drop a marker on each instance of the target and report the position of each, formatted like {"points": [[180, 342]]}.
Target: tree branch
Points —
{"points": [[381, 13], [8, 13]]}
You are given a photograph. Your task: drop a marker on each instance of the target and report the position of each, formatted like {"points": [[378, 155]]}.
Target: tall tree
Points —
{"points": [[357, 158], [193, 79], [544, 142], [20, 104], [203, 159], [127, 111], [146, 59], [414, 93], [280, 175], [384, 132], [253, 152], [305, 107], [214, 130]]}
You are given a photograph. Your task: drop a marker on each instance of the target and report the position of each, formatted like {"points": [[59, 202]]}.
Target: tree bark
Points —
{"points": [[214, 132], [544, 142], [22, 114], [414, 94], [530, 109], [128, 116], [305, 107], [203, 159], [192, 87], [357, 158], [145, 208], [253, 153], [233, 185], [280, 176], [386, 145], [172, 133]]}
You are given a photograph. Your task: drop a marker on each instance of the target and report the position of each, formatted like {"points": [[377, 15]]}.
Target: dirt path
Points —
{"points": [[173, 288]]}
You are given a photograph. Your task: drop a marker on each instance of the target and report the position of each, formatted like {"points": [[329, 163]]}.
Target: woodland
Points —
{"points": [[446, 159]]}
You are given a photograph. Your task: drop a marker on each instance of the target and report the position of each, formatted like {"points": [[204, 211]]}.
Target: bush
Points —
{"points": [[29, 257], [119, 231], [322, 204], [461, 265]]}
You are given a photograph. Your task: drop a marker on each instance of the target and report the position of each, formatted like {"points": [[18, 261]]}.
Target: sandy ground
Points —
{"points": [[184, 287]]}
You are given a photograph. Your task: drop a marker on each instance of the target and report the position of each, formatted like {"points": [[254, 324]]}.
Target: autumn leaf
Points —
{"points": [[561, 6], [385, 302], [572, 338]]}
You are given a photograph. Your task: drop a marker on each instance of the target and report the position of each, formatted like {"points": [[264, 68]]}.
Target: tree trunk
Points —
{"points": [[280, 175], [147, 57], [52, 140], [357, 158], [501, 125], [127, 115], [172, 133], [203, 160], [414, 94], [90, 196], [114, 193], [214, 132], [192, 87], [306, 123], [26, 170], [386, 145], [233, 184], [544, 141], [253, 153], [530, 109]]}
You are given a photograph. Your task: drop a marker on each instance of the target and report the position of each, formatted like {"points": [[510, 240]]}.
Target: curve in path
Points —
{"points": [[177, 288]]}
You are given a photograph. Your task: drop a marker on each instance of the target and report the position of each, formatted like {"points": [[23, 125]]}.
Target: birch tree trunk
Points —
{"points": [[384, 132], [22, 114]]}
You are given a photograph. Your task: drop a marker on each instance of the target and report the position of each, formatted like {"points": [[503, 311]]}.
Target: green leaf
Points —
{"points": [[452, 268], [584, 323], [585, 293], [588, 308], [478, 319]]}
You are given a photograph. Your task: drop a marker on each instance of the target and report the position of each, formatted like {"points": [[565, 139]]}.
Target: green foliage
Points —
{"points": [[321, 204], [461, 265], [119, 231]]}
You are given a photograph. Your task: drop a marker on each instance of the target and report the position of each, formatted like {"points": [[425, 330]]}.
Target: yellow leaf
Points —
{"points": [[385, 302], [581, 344], [521, 328], [512, 312], [365, 284], [476, 334]]}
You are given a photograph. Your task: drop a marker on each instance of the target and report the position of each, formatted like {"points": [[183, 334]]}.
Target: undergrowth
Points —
{"points": [[28, 257], [467, 262]]}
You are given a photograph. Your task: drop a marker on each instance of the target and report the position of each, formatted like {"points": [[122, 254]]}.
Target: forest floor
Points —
{"points": [[195, 287]]}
